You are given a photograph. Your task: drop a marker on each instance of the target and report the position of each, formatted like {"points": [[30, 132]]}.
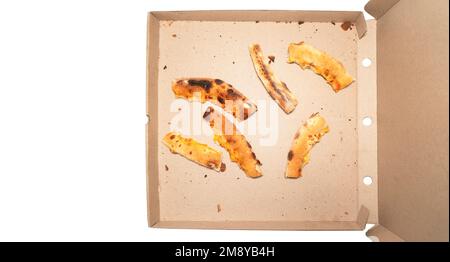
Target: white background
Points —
{"points": [[72, 116]]}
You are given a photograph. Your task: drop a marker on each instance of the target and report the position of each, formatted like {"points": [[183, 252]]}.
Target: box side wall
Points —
{"points": [[412, 42], [152, 125], [258, 15], [367, 135], [267, 15]]}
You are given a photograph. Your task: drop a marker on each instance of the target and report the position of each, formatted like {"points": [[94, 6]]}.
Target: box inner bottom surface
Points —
{"points": [[328, 190]]}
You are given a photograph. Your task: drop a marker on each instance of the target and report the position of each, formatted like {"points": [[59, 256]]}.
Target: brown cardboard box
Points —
{"points": [[404, 92]]}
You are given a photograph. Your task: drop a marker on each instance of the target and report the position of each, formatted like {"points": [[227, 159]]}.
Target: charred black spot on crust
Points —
{"points": [[290, 155], [223, 167], [190, 152], [218, 81], [233, 94], [221, 100], [172, 137], [248, 144], [208, 111], [245, 113], [278, 91], [296, 135], [258, 162], [253, 155], [205, 84]]}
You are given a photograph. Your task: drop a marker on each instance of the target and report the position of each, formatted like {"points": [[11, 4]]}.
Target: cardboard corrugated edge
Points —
{"points": [[412, 53], [356, 18]]}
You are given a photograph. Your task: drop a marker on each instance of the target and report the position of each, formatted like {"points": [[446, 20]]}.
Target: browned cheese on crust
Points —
{"points": [[307, 56], [276, 88], [191, 149], [227, 136], [215, 91], [306, 137]]}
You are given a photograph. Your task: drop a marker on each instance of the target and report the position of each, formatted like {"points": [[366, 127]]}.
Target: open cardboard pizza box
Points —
{"points": [[389, 127]]}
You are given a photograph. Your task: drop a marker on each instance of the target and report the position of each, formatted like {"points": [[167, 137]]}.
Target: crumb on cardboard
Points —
{"points": [[346, 26], [219, 208], [165, 67], [174, 35], [271, 59], [166, 167], [223, 167]]}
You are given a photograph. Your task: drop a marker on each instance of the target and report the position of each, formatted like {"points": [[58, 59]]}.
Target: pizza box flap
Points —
{"points": [[412, 82]]}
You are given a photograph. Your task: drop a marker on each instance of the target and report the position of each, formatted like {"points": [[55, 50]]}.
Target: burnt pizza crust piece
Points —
{"points": [[193, 150], [274, 86], [306, 137], [333, 71], [239, 149], [215, 91]]}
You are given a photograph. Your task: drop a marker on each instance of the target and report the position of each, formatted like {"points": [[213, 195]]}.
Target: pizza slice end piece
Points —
{"points": [[276, 88], [228, 137], [309, 57], [193, 150], [215, 91], [306, 137]]}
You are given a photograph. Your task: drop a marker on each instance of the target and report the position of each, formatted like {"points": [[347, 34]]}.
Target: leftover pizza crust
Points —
{"points": [[217, 92], [228, 137], [193, 150], [306, 137], [333, 71], [276, 88]]}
